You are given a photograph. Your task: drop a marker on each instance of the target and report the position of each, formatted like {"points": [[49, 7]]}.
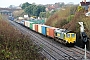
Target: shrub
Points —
{"points": [[70, 18], [63, 22], [16, 46], [80, 8]]}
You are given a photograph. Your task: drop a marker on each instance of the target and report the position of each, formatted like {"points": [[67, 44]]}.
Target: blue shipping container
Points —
{"points": [[44, 29]]}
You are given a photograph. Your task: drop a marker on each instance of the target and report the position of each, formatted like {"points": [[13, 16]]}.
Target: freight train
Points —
{"points": [[11, 18], [64, 36]]}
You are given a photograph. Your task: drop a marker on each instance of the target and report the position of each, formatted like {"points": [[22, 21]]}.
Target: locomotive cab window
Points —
{"points": [[67, 35], [72, 35]]}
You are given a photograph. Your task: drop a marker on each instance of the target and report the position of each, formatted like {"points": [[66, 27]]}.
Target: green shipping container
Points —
{"points": [[31, 25]]}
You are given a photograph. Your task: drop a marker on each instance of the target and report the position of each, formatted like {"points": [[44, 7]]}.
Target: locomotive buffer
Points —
{"points": [[83, 37]]}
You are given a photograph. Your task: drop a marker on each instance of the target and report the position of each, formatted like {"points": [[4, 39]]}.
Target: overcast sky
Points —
{"points": [[6, 3]]}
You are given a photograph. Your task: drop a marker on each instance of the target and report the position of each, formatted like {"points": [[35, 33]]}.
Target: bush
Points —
{"points": [[80, 9], [63, 22], [14, 45], [70, 18]]}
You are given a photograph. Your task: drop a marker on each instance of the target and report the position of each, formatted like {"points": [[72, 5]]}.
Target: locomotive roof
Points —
{"points": [[63, 31]]}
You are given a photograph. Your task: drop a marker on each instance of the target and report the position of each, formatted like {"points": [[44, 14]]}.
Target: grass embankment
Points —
{"points": [[14, 45]]}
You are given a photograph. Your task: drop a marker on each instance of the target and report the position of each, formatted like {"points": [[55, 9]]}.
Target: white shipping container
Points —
{"points": [[34, 27], [40, 28], [28, 24]]}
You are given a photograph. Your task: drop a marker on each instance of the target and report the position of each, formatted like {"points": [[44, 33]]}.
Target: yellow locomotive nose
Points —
{"points": [[71, 40], [70, 37]]}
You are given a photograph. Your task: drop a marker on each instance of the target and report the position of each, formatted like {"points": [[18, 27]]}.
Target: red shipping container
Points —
{"points": [[36, 27], [51, 32]]}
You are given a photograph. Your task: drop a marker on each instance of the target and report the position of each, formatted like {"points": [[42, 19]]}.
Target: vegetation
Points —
{"points": [[80, 8], [16, 46], [45, 14], [42, 14], [33, 10], [86, 21], [18, 13], [25, 5], [63, 15], [68, 18]]}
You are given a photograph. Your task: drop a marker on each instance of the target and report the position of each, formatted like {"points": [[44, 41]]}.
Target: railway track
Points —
{"points": [[27, 32], [81, 51], [55, 52]]}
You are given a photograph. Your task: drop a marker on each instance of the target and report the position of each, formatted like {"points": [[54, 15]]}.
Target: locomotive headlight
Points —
{"points": [[66, 40]]}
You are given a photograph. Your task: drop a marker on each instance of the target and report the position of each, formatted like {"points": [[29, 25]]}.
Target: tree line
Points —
{"points": [[32, 9]]}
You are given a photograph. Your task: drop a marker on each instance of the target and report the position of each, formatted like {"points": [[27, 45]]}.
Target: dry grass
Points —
{"points": [[16, 46]]}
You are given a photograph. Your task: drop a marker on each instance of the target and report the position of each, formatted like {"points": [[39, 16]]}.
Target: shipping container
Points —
{"points": [[26, 23], [39, 28], [11, 18], [52, 31], [22, 22], [47, 31], [36, 27], [44, 29], [31, 25]]}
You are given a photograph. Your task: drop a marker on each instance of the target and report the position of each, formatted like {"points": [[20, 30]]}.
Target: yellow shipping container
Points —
{"points": [[48, 31]]}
